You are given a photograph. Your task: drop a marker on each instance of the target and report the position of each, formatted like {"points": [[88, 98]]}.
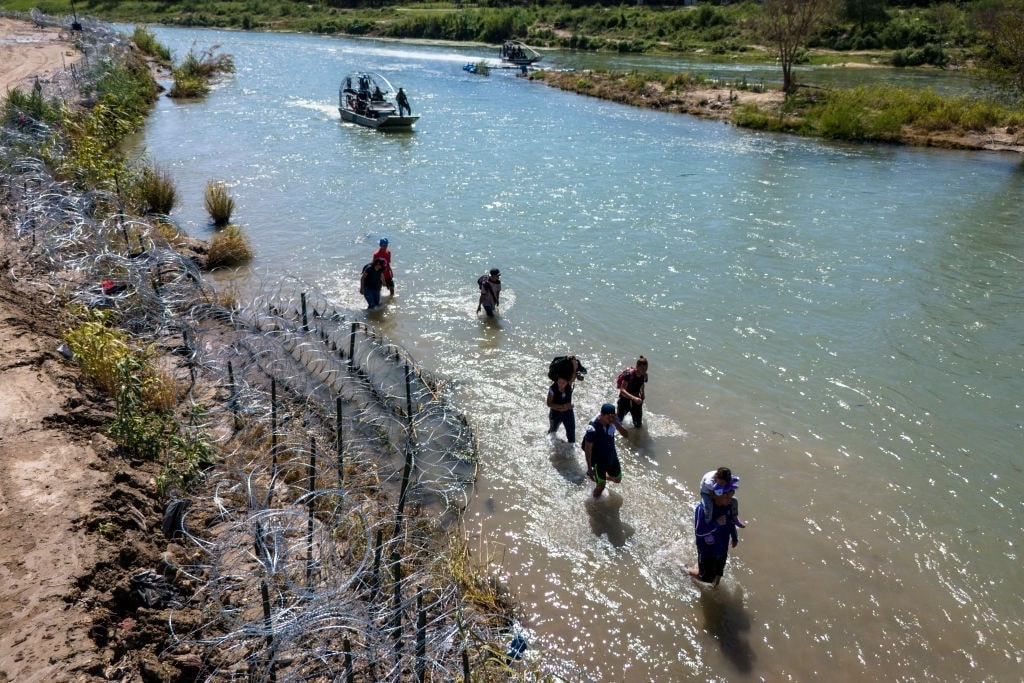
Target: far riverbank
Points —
{"points": [[769, 109]]}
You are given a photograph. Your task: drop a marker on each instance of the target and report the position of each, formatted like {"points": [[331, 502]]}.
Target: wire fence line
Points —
{"points": [[311, 550]]}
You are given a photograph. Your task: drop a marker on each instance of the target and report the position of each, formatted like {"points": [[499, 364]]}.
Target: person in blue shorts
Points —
{"points": [[599, 448]]}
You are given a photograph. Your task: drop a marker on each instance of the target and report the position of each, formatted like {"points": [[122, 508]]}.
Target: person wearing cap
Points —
{"points": [[371, 281], [599, 448], [713, 533], [385, 253], [490, 292], [715, 483]]}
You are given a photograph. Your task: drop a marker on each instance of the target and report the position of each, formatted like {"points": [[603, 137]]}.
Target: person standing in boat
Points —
{"points": [[403, 103], [384, 253]]}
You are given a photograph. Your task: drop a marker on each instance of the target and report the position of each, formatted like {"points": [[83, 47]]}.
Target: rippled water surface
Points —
{"points": [[840, 324]]}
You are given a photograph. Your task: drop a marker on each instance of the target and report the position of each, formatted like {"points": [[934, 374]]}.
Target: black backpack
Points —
{"points": [[561, 366]]}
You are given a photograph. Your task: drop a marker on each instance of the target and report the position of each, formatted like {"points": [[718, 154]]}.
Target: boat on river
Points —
{"points": [[519, 54], [370, 100]]}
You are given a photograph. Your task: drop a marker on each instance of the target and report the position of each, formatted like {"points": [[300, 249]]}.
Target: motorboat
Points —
{"points": [[519, 54], [370, 100]]}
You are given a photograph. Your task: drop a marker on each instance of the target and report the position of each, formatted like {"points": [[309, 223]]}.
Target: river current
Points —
{"points": [[841, 325]]}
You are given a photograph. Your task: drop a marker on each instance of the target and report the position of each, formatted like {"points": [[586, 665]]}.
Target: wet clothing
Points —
{"points": [[604, 459], [563, 417], [713, 540], [633, 384], [370, 283], [389, 276], [490, 291]]}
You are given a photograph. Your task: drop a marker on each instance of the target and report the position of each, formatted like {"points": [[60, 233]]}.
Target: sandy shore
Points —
{"points": [[56, 479], [28, 52]]}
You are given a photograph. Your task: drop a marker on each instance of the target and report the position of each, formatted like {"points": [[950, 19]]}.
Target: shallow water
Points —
{"points": [[839, 324]]}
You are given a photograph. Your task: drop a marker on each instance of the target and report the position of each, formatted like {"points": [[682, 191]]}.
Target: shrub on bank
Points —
{"points": [[229, 248], [148, 44]]}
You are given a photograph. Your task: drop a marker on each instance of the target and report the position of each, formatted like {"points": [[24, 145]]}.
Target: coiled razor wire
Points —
{"points": [[304, 548]]}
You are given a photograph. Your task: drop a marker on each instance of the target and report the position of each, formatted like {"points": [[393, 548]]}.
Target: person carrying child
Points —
{"points": [[716, 483]]}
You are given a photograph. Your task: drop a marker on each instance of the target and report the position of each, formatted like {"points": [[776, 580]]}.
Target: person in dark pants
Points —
{"points": [[403, 102], [630, 384], [560, 410], [371, 281], [490, 292], [713, 535], [599, 448]]}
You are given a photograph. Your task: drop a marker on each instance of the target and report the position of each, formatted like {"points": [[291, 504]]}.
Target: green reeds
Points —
{"points": [[157, 192], [148, 44], [192, 77], [218, 203]]}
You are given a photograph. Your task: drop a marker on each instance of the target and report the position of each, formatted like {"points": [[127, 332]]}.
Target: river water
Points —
{"points": [[839, 324]]}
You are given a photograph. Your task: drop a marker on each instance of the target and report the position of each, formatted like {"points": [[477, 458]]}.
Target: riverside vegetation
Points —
{"points": [[982, 36], [86, 214]]}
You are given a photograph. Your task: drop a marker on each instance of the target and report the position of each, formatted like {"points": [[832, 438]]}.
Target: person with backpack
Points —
{"points": [[599, 448], [630, 384], [490, 292]]}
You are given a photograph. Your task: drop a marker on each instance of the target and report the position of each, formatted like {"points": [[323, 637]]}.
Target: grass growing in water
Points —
{"points": [[218, 203], [229, 248], [192, 77], [157, 191]]}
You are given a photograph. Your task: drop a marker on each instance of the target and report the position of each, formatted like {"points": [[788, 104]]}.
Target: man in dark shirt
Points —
{"points": [[371, 282], [599, 447]]}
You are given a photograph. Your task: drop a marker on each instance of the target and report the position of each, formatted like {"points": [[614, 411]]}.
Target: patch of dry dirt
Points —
{"points": [[28, 52]]}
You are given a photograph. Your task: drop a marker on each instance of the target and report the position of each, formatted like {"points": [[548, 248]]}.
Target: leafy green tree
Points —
{"points": [[1003, 22], [787, 25]]}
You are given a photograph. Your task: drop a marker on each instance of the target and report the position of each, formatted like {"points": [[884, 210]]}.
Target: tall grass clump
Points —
{"points": [[21, 110], [218, 203], [148, 45], [158, 194], [229, 248], [192, 77]]}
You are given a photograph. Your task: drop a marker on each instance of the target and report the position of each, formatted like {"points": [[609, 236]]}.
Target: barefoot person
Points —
{"points": [[713, 535], [599, 448], [715, 483]]}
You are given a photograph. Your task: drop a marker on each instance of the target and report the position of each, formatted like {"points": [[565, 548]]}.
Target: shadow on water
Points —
{"points": [[605, 519], [727, 621], [566, 462]]}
